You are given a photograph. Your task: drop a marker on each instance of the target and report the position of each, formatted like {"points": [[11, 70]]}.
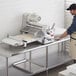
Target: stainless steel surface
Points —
{"points": [[30, 62], [21, 61], [34, 68], [8, 51], [52, 60]]}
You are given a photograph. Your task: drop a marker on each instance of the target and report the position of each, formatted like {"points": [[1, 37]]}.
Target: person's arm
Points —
{"points": [[70, 30], [63, 35]]}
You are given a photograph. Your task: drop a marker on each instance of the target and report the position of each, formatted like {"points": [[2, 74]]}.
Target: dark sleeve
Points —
{"points": [[72, 28]]}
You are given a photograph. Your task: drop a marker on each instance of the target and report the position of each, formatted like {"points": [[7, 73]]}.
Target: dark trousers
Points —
{"points": [[74, 61]]}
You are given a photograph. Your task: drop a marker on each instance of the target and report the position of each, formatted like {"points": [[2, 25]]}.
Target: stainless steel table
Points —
{"points": [[9, 51]]}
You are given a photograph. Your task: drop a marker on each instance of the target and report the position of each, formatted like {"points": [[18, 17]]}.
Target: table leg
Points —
{"points": [[24, 59], [6, 66], [46, 60], [59, 48], [65, 52], [30, 60], [62, 47]]}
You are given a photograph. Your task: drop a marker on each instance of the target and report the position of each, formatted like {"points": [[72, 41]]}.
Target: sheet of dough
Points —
{"points": [[26, 37]]}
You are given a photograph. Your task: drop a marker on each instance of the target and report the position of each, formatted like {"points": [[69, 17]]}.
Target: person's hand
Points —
{"points": [[57, 38]]}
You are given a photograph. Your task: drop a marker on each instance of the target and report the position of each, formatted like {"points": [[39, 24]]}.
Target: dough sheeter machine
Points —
{"points": [[31, 31]]}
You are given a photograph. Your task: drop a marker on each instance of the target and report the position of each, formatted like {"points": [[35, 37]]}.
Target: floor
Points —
{"points": [[52, 72], [56, 70]]}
